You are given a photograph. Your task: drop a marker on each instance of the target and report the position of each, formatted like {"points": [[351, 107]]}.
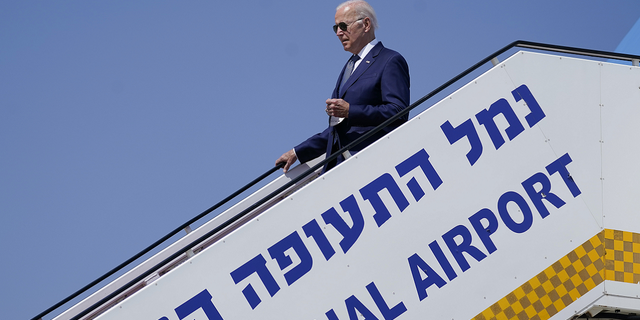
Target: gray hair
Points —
{"points": [[363, 9]]}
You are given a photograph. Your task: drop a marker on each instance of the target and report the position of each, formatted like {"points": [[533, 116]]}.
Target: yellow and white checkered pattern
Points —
{"points": [[609, 255]]}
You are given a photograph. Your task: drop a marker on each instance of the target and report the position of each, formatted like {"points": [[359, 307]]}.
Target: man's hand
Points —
{"points": [[337, 108], [288, 158]]}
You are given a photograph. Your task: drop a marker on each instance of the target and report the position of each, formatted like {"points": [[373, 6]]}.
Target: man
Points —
{"points": [[375, 88]]}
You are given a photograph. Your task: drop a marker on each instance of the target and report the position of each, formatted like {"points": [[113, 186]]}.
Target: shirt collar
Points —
{"points": [[365, 51]]}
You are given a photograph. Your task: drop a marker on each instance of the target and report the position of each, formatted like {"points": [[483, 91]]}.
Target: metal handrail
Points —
{"points": [[159, 242], [520, 43]]}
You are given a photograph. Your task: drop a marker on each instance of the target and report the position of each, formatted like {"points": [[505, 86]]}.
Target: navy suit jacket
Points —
{"points": [[376, 90]]}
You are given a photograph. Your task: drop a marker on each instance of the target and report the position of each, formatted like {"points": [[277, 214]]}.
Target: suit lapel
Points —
{"points": [[367, 62]]}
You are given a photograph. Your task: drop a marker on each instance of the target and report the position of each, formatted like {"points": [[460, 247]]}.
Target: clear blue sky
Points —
{"points": [[120, 120]]}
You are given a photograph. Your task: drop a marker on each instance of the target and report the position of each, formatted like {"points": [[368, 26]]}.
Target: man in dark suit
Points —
{"points": [[372, 87]]}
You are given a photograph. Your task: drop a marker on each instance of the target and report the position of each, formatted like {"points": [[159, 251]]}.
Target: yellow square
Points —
{"points": [[549, 272], [559, 304], [628, 256], [593, 255], [488, 314], [546, 301], [501, 316], [517, 307], [531, 311], [574, 294], [576, 280], [578, 266], [544, 315], [628, 277], [503, 303], [627, 236], [590, 284], [609, 254], [561, 290], [535, 282], [592, 270], [563, 276]]}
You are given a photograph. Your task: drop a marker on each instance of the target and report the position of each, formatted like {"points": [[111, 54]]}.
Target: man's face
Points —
{"points": [[353, 40]]}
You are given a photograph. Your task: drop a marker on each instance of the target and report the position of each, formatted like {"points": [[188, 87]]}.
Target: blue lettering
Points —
{"points": [[256, 265], [560, 166], [331, 315], [487, 118], [370, 192], [354, 306], [465, 129], [420, 159], [201, 301], [388, 314], [419, 266], [464, 246], [277, 252], [312, 229], [483, 232], [442, 260], [523, 92], [527, 220], [544, 193], [349, 235]]}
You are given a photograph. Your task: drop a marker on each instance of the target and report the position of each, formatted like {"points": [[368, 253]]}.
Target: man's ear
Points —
{"points": [[367, 24]]}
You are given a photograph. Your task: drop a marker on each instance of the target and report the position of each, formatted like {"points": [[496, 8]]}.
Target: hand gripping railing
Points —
{"points": [[492, 58]]}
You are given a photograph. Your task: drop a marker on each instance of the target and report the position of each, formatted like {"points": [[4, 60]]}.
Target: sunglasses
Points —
{"points": [[343, 26]]}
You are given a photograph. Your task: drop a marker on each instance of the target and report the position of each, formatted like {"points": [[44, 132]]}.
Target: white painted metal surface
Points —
{"points": [[143, 267], [441, 218]]}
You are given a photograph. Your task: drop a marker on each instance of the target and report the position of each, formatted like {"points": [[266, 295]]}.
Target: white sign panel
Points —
{"points": [[437, 220]]}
